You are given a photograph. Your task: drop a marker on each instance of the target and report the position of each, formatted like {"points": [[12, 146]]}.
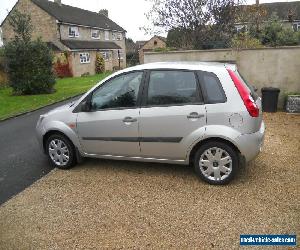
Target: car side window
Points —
{"points": [[167, 87], [212, 87], [119, 92]]}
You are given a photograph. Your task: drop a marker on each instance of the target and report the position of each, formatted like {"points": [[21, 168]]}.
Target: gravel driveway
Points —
{"points": [[112, 204]]}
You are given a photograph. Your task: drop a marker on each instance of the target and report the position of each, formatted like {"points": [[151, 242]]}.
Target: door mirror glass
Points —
{"points": [[86, 105], [119, 92]]}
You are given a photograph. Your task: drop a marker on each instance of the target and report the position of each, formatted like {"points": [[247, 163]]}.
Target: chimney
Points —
{"points": [[58, 2], [103, 12]]}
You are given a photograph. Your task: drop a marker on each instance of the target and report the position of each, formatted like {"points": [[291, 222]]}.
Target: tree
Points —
{"points": [[195, 18], [275, 34], [99, 64], [29, 63]]}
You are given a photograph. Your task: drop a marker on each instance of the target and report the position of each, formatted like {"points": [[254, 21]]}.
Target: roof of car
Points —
{"points": [[190, 65]]}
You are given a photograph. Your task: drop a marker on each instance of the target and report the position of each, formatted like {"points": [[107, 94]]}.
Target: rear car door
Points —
{"points": [[111, 126], [172, 114]]}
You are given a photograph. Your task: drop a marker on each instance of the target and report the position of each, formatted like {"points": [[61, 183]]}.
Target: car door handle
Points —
{"points": [[129, 119], [194, 115]]}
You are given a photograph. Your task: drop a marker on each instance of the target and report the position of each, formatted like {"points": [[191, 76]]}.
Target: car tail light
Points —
{"points": [[245, 95]]}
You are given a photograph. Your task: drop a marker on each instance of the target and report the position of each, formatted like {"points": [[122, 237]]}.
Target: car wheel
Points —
{"points": [[216, 162], [60, 151]]}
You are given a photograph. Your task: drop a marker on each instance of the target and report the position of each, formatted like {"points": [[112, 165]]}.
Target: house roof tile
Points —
{"points": [[78, 44], [69, 14]]}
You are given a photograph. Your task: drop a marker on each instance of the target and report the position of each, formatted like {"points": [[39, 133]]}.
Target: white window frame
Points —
{"points": [[106, 35], [114, 36], [94, 31], [84, 57], [119, 36], [73, 31], [105, 55], [297, 24], [240, 27]]}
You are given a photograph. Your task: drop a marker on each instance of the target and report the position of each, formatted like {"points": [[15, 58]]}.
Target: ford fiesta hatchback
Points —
{"points": [[203, 114]]}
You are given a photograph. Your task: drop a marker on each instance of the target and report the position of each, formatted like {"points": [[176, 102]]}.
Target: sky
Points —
{"points": [[129, 14]]}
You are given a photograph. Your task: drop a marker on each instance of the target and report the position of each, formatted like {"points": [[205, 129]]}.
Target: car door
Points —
{"points": [[111, 125], [172, 115]]}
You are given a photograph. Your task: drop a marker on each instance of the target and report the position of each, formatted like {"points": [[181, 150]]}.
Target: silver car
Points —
{"points": [[204, 114]]}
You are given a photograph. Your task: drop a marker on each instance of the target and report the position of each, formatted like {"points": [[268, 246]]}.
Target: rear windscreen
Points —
{"points": [[253, 94]]}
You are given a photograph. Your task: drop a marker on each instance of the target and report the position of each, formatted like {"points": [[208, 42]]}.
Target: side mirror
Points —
{"points": [[86, 106]]}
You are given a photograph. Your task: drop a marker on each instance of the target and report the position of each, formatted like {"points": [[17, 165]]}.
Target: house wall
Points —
{"points": [[44, 25], [79, 69], [148, 46], [85, 34], [266, 67]]}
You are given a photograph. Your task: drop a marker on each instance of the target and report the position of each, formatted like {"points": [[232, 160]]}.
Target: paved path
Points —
{"points": [[21, 160]]}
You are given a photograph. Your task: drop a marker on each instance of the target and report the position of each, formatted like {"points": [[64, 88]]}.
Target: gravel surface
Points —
{"points": [[116, 204]]}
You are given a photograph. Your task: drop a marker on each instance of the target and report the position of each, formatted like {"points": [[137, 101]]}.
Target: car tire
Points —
{"points": [[216, 162], [60, 151]]}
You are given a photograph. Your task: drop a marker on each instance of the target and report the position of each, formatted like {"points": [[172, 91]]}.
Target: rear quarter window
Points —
{"points": [[212, 88]]}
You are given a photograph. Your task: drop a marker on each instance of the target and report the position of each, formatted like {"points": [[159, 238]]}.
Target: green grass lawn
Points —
{"points": [[11, 105]]}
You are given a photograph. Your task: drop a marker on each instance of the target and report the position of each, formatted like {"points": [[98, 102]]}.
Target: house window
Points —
{"points": [[106, 34], [95, 34], [119, 36], [296, 26], [114, 36], [105, 55], [241, 28], [85, 57], [73, 31]]}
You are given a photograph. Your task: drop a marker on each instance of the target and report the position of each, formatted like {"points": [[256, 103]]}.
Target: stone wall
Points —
{"points": [[266, 67]]}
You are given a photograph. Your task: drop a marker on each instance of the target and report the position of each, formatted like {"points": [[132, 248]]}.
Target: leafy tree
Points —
{"points": [[198, 20], [29, 63]]}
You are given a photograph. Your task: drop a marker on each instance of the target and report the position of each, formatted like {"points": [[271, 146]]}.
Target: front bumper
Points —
{"points": [[251, 144]]}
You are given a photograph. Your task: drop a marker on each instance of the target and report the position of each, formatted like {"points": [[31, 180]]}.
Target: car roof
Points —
{"points": [[189, 65]]}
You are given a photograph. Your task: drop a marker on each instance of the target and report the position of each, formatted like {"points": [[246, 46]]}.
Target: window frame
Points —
{"points": [[200, 75], [96, 38], [106, 57], [106, 32], [297, 24], [85, 53], [199, 95], [76, 34], [90, 95]]}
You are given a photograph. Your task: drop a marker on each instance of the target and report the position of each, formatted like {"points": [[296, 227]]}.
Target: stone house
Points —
{"points": [[288, 13], [156, 42], [77, 33]]}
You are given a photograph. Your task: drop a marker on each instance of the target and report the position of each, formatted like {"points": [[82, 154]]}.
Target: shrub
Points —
{"points": [[100, 64], [275, 34], [62, 69], [245, 41], [29, 63]]}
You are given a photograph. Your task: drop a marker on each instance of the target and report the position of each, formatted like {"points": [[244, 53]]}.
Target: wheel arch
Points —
{"points": [[210, 139]]}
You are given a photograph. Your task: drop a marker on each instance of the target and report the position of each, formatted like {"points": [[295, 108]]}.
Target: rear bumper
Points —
{"points": [[251, 144]]}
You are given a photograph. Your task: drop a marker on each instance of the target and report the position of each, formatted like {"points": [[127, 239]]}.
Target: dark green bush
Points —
{"points": [[29, 67], [29, 63]]}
